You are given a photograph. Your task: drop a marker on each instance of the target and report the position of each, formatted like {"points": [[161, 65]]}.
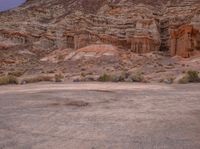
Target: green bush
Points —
{"points": [[8, 80]]}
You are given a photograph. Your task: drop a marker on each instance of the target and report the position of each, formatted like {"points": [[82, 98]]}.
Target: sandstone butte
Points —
{"points": [[40, 28]]}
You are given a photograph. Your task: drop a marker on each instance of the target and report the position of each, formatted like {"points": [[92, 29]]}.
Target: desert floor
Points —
{"points": [[100, 116]]}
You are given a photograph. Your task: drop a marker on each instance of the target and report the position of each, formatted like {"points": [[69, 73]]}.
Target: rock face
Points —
{"points": [[184, 41], [139, 26], [92, 51]]}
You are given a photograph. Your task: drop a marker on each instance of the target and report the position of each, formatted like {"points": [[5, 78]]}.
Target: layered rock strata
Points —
{"points": [[137, 26]]}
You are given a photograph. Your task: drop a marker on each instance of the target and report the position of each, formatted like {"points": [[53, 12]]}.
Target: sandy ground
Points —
{"points": [[100, 116]]}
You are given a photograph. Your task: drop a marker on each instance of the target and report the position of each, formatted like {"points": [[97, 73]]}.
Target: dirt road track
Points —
{"points": [[100, 116], [80, 86]]}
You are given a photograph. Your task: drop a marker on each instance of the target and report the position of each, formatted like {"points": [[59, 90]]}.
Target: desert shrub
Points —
{"points": [[8, 80], [190, 77], [115, 79], [16, 73], [193, 76], [61, 57], [123, 76], [170, 80], [105, 78], [118, 78], [121, 79], [83, 74], [37, 79], [184, 80], [137, 77], [51, 71], [59, 77]]}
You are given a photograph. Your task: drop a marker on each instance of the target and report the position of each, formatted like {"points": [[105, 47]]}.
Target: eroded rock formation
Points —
{"points": [[92, 51], [184, 41], [132, 25]]}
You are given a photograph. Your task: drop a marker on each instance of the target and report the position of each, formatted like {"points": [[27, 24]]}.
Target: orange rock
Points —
{"points": [[143, 45], [100, 48], [183, 41]]}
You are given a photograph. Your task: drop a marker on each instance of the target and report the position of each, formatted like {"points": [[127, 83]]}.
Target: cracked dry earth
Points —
{"points": [[100, 116]]}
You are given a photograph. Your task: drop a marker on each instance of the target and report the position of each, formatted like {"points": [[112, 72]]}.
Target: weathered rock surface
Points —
{"points": [[92, 51], [63, 30], [184, 41], [140, 26]]}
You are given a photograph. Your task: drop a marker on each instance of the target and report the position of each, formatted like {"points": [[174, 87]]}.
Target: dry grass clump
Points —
{"points": [[43, 78], [190, 77], [59, 78], [123, 77], [105, 78], [9, 79], [16, 73], [137, 77]]}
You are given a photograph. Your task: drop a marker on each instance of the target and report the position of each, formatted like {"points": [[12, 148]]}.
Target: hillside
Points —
{"points": [[83, 39]]}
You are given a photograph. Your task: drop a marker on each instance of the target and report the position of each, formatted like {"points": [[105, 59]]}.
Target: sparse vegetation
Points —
{"points": [[59, 77], [123, 77], [137, 77], [184, 80], [190, 77], [61, 57], [37, 79], [83, 74], [16, 73], [119, 78], [193, 76], [105, 78], [8, 80], [51, 71]]}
